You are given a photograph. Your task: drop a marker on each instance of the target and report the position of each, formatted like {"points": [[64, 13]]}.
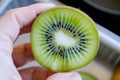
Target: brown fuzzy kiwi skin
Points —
{"points": [[116, 74]]}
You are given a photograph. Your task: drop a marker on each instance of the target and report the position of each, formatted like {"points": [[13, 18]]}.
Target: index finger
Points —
{"points": [[15, 19]]}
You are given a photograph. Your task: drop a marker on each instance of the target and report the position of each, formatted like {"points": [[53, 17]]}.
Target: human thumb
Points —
{"points": [[65, 76]]}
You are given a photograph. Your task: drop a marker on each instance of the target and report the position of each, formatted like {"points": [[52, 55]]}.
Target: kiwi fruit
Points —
{"points": [[64, 38], [87, 76]]}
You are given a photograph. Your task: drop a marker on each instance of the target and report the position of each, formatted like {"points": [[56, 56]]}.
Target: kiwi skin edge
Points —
{"points": [[87, 76], [84, 15]]}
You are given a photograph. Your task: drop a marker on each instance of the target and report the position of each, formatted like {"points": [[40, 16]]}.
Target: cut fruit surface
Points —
{"points": [[87, 76], [64, 39]]}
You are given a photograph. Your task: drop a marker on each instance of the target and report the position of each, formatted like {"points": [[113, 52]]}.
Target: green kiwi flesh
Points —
{"points": [[87, 76], [64, 39]]}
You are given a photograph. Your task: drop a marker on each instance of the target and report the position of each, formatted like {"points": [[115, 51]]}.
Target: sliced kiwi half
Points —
{"points": [[87, 76], [64, 38]]}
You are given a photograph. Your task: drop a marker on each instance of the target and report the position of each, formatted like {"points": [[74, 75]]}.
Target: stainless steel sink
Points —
{"points": [[6, 5]]}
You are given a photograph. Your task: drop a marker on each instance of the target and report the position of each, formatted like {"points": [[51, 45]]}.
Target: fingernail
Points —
{"points": [[46, 6], [65, 76], [74, 76], [50, 4]]}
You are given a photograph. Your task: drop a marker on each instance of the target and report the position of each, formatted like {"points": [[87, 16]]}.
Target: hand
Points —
{"points": [[12, 24]]}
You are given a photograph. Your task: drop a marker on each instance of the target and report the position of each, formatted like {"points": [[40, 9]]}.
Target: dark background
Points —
{"points": [[107, 20]]}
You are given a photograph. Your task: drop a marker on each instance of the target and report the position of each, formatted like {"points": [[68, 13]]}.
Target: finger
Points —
{"points": [[65, 76], [27, 27], [35, 73], [15, 19], [22, 54]]}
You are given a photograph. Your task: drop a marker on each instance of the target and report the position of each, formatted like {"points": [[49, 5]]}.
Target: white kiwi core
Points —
{"points": [[64, 40]]}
